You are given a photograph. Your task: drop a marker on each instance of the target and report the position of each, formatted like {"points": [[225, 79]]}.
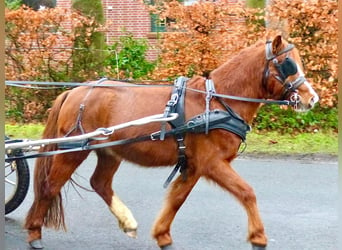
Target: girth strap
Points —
{"points": [[181, 164]]}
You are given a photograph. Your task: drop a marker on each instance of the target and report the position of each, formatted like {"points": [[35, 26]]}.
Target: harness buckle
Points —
{"points": [[105, 131], [173, 100], [153, 136], [295, 99], [289, 86]]}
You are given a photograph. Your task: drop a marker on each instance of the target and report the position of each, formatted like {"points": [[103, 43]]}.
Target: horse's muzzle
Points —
{"points": [[313, 101]]}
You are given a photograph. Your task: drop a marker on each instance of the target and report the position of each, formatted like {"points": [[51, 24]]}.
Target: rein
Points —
{"points": [[131, 83], [247, 99]]}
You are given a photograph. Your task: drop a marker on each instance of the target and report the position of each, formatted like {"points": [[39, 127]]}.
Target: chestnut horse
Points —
{"points": [[259, 71]]}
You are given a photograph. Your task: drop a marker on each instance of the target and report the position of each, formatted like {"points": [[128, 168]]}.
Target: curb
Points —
{"points": [[309, 157]]}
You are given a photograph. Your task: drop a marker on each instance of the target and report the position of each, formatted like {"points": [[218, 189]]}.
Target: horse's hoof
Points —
{"points": [[168, 247], [36, 244], [258, 247], [132, 233]]}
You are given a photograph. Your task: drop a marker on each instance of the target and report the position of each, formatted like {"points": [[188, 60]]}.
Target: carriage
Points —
{"points": [[196, 125]]}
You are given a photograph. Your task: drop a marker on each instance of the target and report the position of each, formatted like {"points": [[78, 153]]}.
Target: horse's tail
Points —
{"points": [[55, 214]]}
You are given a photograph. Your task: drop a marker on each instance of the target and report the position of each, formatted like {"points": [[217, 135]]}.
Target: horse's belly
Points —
{"points": [[152, 153]]}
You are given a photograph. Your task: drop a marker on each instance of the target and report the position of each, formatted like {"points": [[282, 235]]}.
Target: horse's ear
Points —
{"points": [[276, 44]]}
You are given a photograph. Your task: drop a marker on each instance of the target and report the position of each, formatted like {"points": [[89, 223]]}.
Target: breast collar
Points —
{"points": [[226, 119]]}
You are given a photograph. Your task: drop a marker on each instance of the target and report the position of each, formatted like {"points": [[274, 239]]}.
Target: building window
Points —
{"points": [[189, 2], [157, 24], [40, 4]]}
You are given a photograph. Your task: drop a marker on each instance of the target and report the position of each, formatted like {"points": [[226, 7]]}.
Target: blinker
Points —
{"points": [[286, 68]]}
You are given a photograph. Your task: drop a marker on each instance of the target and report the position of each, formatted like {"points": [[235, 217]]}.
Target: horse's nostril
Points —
{"points": [[312, 103]]}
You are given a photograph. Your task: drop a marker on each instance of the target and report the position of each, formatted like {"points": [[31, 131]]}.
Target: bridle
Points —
{"points": [[285, 69]]}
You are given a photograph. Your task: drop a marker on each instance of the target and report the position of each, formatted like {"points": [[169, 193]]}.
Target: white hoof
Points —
{"points": [[36, 244], [132, 233]]}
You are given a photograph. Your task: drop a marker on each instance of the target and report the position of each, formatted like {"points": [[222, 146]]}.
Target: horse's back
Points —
{"points": [[109, 106], [87, 109]]}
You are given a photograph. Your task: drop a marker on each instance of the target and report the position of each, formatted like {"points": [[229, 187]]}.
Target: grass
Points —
{"points": [[29, 131], [264, 143], [303, 143]]}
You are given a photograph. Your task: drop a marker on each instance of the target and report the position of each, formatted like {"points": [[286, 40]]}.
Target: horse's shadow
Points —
{"points": [[13, 222], [15, 234]]}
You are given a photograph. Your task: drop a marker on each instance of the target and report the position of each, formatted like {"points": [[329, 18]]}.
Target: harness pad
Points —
{"points": [[219, 119]]}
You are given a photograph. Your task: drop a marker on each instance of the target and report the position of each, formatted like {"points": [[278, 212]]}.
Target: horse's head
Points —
{"points": [[284, 77]]}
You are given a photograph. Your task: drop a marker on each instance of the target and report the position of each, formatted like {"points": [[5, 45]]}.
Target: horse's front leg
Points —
{"points": [[177, 194], [223, 174]]}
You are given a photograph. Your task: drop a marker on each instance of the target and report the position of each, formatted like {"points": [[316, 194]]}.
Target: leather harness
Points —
{"points": [[202, 123]]}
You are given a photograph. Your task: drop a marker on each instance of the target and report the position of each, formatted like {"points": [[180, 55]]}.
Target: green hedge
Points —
{"points": [[128, 58], [273, 117]]}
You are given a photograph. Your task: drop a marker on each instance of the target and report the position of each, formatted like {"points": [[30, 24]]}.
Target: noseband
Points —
{"points": [[285, 69]]}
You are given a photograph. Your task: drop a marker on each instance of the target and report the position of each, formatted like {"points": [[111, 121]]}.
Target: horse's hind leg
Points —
{"points": [[50, 176], [223, 174], [177, 194], [101, 181]]}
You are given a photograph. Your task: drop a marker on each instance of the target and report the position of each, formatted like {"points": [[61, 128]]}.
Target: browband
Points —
{"points": [[269, 53]]}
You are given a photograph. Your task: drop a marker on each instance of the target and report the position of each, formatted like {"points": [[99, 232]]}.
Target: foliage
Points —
{"points": [[203, 35], [39, 46], [90, 8], [288, 121], [312, 27], [88, 57], [128, 58], [28, 105], [13, 4], [256, 3]]}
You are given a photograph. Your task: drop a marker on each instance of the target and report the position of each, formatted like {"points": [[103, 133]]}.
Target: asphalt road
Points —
{"points": [[297, 201]]}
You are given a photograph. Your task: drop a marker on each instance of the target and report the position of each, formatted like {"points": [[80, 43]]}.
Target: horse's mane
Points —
{"points": [[245, 67]]}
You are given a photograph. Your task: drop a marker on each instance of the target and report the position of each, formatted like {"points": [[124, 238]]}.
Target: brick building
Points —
{"points": [[128, 15], [131, 16]]}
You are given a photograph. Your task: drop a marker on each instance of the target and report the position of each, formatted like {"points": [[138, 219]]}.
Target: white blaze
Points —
{"points": [[308, 85]]}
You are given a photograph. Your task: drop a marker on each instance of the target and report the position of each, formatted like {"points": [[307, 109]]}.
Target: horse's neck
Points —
{"points": [[242, 76]]}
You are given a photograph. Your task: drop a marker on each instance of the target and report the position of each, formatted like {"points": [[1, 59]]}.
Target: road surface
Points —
{"points": [[297, 201]]}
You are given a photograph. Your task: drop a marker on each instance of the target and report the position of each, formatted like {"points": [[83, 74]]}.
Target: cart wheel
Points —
{"points": [[17, 181]]}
